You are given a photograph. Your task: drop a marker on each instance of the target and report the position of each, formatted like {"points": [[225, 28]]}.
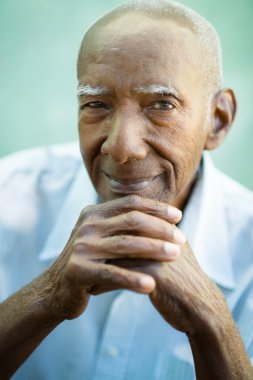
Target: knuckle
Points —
{"points": [[87, 213], [134, 200], [106, 275], [133, 219], [121, 243], [87, 228], [83, 245]]}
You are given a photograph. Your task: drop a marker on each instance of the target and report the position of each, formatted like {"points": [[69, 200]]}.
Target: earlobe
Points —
{"points": [[222, 116]]}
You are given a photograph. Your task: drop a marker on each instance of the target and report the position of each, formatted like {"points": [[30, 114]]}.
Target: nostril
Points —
{"points": [[108, 146], [103, 149]]}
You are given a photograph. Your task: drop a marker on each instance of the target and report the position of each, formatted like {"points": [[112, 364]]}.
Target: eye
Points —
{"points": [[162, 105], [95, 104]]}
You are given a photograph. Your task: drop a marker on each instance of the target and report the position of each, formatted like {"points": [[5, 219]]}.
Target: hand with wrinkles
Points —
{"points": [[147, 112], [132, 243], [130, 228], [184, 295], [129, 243]]}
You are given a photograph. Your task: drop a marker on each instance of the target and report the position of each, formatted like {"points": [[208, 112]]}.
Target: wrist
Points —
{"points": [[210, 314], [43, 302], [218, 350]]}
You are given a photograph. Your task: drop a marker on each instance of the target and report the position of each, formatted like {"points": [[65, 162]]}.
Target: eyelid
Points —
{"points": [[163, 101], [87, 103]]}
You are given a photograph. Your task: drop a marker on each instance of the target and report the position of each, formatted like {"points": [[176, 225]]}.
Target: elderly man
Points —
{"points": [[169, 288]]}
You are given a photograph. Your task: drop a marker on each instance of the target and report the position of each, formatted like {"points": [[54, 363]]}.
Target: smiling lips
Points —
{"points": [[129, 186]]}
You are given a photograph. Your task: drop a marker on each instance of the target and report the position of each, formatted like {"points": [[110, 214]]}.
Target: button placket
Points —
{"points": [[117, 337]]}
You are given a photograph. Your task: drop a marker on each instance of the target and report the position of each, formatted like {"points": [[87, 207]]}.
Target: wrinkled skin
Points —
{"points": [[142, 150], [127, 228], [129, 137], [146, 144], [114, 242]]}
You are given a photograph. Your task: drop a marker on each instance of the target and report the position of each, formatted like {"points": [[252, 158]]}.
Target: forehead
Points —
{"points": [[135, 44]]}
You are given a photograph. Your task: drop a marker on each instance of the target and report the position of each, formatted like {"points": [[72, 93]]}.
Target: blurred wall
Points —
{"points": [[39, 40]]}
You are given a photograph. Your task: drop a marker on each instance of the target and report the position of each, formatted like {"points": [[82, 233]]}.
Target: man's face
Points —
{"points": [[142, 115]]}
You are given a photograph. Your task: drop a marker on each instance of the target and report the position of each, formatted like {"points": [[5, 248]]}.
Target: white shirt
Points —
{"points": [[120, 336]]}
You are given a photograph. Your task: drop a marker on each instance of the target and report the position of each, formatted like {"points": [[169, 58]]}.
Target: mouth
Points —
{"points": [[129, 185]]}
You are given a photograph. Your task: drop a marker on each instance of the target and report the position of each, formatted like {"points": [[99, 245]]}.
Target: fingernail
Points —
{"points": [[172, 249], [173, 212], [179, 237], [147, 282]]}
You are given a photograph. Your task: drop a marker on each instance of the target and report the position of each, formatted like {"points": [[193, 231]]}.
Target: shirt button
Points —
{"points": [[112, 351]]}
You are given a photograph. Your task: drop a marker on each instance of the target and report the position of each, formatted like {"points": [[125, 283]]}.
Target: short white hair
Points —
{"points": [[211, 57]]}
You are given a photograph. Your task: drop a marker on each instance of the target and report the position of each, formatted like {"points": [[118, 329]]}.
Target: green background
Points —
{"points": [[39, 40]]}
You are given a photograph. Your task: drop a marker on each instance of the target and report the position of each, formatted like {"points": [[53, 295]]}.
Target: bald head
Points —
{"points": [[128, 19]]}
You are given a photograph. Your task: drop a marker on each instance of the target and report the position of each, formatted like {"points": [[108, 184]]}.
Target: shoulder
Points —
{"points": [[238, 200], [226, 197], [34, 183], [54, 158], [238, 211]]}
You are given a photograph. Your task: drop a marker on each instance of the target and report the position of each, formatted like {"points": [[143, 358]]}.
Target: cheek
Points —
{"points": [[175, 141], [90, 144], [189, 154], [182, 145]]}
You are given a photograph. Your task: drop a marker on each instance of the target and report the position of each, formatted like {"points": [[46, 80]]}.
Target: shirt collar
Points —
{"points": [[204, 224], [80, 195]]}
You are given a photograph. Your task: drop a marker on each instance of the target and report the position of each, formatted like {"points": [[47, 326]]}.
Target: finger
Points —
{"points": [[135, 202], [131, 246], [148, 267], [107, 277], [138, 223]]}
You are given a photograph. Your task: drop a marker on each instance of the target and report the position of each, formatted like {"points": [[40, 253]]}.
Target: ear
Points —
{"points": [[223, 112]]}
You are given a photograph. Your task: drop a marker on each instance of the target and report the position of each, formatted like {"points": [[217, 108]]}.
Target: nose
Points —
{"points": [[126, 138]]}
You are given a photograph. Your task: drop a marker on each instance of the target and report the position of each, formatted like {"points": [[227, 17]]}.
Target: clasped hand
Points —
{"points": [[132, 243]]}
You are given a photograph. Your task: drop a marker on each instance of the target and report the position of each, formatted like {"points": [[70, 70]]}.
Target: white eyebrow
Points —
{"points": [[158, 89], [87, 90]]}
